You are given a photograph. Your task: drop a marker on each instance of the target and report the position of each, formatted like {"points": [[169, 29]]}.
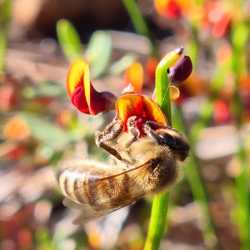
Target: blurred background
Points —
{"points": [[210, 206]]}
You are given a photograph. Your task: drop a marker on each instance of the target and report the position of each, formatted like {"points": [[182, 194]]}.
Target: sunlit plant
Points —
{"points": [[174, 68]]}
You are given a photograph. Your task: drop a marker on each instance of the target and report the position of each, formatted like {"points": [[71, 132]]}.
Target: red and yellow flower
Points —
{"points": [[132, 102], [82, 93]]}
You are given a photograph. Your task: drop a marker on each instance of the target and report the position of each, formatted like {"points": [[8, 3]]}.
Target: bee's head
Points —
{"points": [[174, 140]]}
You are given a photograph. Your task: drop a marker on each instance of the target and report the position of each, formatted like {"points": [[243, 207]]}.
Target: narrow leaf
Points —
{"points": [[69, 40], [98, 52]]}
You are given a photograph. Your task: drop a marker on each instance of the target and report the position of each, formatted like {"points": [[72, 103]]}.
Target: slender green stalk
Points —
{"points": [[195, 181], [3, 45], [240, 35], [162, 81], [160, 203], [159, 211], [5, 15], [140, 23]]}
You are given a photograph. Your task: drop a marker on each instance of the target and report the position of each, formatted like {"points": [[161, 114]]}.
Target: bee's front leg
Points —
{"points": [[150, 132], [132, 130], [149, 129], [110, 132], [105, 138]]}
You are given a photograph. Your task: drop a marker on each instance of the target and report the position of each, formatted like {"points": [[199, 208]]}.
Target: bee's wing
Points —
{"points": [[86, 211], [117, 190]]}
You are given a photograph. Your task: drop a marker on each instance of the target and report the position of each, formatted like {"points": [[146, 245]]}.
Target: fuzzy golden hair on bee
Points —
{"points": [[143, 166]]}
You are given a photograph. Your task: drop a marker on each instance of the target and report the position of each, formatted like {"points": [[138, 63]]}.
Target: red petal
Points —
{"points": [[140, 106], [78, 99], [83, 95]]}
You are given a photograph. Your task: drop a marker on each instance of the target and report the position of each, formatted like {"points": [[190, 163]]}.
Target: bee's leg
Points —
{"points": [[110, 132], [132, 129], [151, 133], [104, 139], [155, 125]]}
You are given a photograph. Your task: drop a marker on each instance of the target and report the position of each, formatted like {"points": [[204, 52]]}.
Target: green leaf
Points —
{"points": [[69, 40], [98, 52], [46, 132], [44, 89]]}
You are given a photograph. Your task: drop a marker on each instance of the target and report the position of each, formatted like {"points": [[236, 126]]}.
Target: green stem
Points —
{"points": [[5, 16], [195, 181], [159, 211], [239, 36], [162, 81], [3, 45], [140, 24]]}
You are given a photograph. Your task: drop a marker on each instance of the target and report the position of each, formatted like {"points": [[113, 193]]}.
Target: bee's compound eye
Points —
{"points": [[175, 142], [168, 140]]}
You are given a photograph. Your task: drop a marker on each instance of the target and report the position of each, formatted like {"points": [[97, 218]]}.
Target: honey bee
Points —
{"points": [[142, 165]]}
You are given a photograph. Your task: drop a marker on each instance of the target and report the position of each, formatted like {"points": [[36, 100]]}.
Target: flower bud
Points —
{"points": [[181, 70]]}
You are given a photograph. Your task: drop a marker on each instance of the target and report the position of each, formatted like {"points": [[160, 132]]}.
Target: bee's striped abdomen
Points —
{"points": [[71, 182], [86, 183], [105, 187]]}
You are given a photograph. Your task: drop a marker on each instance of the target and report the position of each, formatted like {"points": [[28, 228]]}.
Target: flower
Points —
{"points": [[221, 113], [134, 77], [217, 18], [212, 16], [168, 8], [150, 68], [131, 103], [16, 129], [140, 106], [8, 98], [181, 70], [140, 76], [82, 93]]}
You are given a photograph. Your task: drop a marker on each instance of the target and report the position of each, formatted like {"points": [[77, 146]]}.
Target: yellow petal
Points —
{"points": [[141, 106], [78, 73]]}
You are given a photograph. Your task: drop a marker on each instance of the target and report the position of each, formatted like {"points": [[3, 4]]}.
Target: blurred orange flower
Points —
{"points": [[140, 76], [168, 8], [216, 18], [150, 68], [16, 129], [64, 117], [222, 112], [245, 94], [213, 16], [134, 76]]}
